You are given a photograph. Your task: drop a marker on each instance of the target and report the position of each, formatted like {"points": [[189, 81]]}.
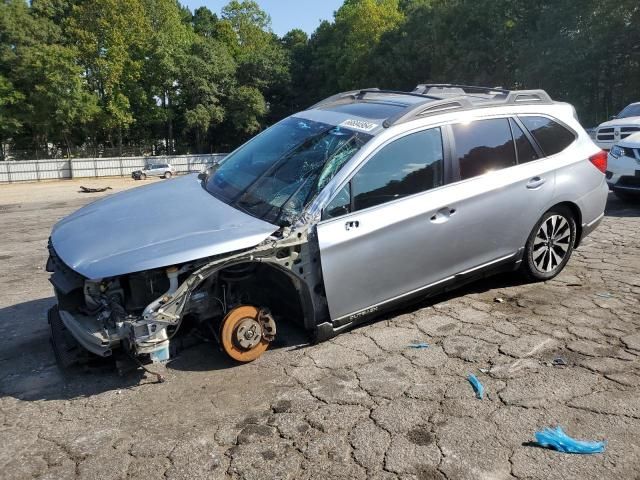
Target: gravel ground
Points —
{"points": [[362, 405]]}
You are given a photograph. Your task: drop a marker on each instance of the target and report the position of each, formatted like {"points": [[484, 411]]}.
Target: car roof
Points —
{"points": [[385, 108]]}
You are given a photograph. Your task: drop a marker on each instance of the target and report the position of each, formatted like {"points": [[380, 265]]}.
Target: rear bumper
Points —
{"points": [[592, 207]]}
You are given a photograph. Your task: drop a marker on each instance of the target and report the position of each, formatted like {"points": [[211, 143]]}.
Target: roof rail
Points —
{"points": [[528, 96], [337, 98], [426, 87], [463, 102], [447, 97], [361, 94]]}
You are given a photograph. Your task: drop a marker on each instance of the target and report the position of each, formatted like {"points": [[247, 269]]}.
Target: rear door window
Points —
{"points": [[526, 152], [483, 146], [551, 136]]}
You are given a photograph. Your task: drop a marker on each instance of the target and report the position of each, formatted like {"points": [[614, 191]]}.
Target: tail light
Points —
{"points": [[599, 160]]}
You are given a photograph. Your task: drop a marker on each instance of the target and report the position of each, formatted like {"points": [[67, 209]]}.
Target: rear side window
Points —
{"points": [[483, 146], [551, 136], [526, 152], [409, 165]]}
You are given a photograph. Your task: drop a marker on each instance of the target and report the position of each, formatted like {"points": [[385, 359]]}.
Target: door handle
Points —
{"points": [[351, 224], [442, 215], [535, 182]]}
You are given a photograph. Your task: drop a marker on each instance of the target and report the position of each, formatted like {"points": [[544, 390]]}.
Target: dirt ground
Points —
{"points": [[363, 405]]}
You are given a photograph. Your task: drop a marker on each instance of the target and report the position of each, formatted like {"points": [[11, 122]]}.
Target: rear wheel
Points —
{"points": [[246, 332], [167, 174], [550, 244], [143, 176]]}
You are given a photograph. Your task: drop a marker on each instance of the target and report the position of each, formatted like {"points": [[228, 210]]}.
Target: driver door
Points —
{"points": [[385, 233]]}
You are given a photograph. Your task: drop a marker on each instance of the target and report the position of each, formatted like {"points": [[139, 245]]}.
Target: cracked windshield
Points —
{"points": [[274, 176]]}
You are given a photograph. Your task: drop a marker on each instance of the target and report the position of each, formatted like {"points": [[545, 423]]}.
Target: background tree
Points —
{"points": [[112, 37], [149, 75]]}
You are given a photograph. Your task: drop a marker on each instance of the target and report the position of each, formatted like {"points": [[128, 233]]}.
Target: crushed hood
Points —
{"points": [[166, 223]]}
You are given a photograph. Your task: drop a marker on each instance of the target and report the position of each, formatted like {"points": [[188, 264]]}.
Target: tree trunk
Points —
{"points": [[170, 116], [66, 142], [164, 108]]}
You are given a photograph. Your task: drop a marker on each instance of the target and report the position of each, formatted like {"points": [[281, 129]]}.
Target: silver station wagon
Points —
{"points": [[331, 216]]}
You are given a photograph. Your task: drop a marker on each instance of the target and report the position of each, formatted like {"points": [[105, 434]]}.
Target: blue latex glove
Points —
{"points": [[477, 386], [558, 440]]}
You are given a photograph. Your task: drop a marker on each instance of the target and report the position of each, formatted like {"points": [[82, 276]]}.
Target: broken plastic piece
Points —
{"points": [[419, 345], [560, 441], [498, 300], [477, 386], [559, 362], [604, 295]]}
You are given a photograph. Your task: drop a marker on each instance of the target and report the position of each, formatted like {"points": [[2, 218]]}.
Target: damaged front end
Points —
{"points": [[106, 314], [141, 312]]}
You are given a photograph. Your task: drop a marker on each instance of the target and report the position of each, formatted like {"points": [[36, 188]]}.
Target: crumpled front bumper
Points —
{"points": [[89, 331]]}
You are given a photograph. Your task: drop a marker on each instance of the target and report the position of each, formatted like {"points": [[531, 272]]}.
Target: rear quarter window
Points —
{"points": [[550, 135]]}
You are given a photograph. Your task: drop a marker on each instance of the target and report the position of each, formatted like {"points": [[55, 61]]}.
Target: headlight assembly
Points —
{"points": [[616, 151]]}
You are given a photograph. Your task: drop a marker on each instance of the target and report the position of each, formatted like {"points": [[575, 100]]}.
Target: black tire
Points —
{"points": [[66, 349], [627, 197], [544, 258], [167, 175]]}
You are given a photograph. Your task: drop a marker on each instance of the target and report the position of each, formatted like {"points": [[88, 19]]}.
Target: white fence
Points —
{"points": [[36, 170]]}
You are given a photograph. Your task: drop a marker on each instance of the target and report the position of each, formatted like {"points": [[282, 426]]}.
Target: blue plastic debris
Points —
{"points": [[558, 440], [477, 386], [419, 345]]}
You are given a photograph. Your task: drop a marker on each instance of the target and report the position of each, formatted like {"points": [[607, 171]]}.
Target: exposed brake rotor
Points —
{"points": [[246, 332]]}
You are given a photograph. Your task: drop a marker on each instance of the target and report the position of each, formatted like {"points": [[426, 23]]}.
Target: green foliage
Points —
{"points": [[246, 107], [131, 72]]}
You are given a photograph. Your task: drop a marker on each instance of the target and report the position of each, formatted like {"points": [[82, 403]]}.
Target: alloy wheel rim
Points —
{"points": [[551, 244]]}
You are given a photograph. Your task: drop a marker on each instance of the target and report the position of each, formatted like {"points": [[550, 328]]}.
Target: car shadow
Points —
{"points": [[206, 354], [621, 208], [494, 282], [29, 369]]}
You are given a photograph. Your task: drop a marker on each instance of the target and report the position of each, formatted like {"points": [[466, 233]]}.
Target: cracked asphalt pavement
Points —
{"points": [[363, 405]]}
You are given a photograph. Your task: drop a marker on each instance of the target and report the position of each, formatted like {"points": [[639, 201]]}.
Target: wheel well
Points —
{"points": [[577, 216], [270, 286]]}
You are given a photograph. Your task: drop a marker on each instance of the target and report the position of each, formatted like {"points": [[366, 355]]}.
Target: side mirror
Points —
{"points": [[206, 173]]}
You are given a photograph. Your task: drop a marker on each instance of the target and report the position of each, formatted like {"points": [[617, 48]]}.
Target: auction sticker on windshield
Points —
{"points": [[358, 125]]}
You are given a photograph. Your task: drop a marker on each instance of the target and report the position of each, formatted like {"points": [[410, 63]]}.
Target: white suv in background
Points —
{"points": [[626, 123], [623, 169], [163, 170]]}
